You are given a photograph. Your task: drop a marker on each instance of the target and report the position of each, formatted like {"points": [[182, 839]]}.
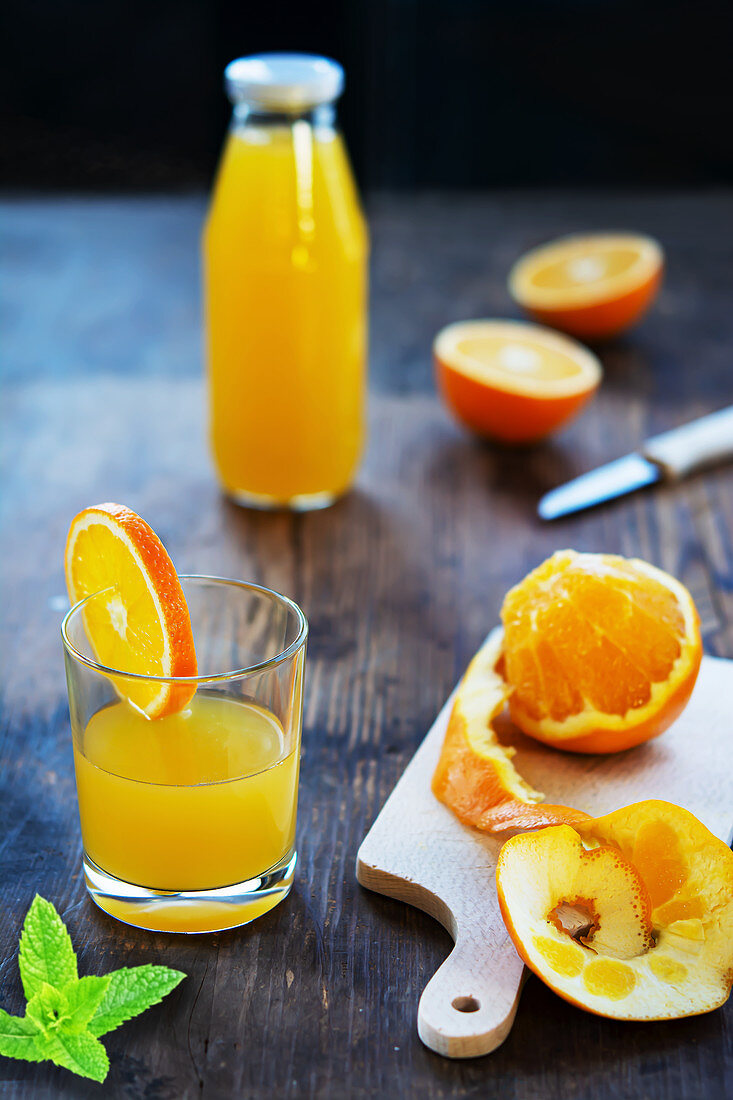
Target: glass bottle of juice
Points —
{"points": [[285, 283]]}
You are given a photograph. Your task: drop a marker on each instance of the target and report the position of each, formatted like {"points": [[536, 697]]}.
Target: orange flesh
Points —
{"points": [[608, 978], [582, 270], [601, 653], [512, 381], [658, 858], [667, 970], [519, 360], [564, 958], [137, 644], [574, 636]]}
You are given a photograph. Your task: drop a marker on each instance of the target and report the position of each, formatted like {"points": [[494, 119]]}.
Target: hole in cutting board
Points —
{"points": [[466, 1004]]}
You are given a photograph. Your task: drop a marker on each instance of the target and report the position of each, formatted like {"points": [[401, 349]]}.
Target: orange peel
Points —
{"points": [[475, 776], [629, 915]]}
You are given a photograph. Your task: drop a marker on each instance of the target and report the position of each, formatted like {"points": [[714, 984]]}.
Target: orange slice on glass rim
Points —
{"points": [[137, 621], [513, 381], [592, 286]]}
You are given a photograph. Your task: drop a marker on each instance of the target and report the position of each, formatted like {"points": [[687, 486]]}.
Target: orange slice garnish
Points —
{"points": [[138, 621], [513, 381], [590, 286]]}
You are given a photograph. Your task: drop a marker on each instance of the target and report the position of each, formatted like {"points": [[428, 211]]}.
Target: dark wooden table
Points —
{"points": [[102, 399]]}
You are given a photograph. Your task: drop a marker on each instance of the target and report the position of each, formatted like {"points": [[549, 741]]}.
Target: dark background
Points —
{"points": [[127, 94]]}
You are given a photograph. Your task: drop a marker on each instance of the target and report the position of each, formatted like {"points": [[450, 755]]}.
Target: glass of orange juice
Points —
{"points": [[285, 290], [188, 821]]}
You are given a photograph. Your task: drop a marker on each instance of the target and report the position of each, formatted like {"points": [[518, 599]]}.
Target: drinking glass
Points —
{"points": [[188, 821]]}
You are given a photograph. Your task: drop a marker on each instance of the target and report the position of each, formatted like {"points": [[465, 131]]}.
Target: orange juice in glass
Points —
{"points": [[188, 819], [285, 290]]}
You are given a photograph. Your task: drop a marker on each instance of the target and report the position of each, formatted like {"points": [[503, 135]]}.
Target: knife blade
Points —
{"points": [[666, 457]]}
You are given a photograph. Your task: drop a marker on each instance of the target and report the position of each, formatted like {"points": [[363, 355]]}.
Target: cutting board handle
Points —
{"points": [[467, 1009]]}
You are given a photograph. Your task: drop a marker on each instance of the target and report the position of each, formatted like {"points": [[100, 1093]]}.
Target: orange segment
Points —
{"points": [[601, 652], [581, 905], [512, 381], [592, 286], [475, 776], [138, 621]]}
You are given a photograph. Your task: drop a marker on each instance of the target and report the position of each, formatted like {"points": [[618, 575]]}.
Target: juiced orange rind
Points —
{"points": [[629, 915]]}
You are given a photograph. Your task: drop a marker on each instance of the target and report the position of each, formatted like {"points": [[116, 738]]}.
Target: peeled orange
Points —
{"points": [[591, 286], [601, 652], [137, 620], [512, 381]]}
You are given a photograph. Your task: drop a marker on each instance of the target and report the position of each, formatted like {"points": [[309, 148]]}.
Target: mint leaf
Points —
{"points": [[46, 954], [80, 1052], [19, 1038], [65, 1014], [48, 1008], [83, 996], [131, 990]]}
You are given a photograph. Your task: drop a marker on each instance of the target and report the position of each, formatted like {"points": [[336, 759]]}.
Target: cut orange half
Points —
{"points": [[512, 381], [592, 286], [137, 621]]}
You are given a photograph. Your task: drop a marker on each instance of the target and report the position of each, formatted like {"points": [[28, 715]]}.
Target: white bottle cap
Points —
{"points": [[283, 81]]}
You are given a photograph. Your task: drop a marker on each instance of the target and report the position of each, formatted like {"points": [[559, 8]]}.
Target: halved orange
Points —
{"points": [[512, 381], [139, 621], [601, 652], [592, 286]]}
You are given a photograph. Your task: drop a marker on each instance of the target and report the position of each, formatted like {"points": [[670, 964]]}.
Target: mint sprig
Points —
{"points": [[66, 1014]]}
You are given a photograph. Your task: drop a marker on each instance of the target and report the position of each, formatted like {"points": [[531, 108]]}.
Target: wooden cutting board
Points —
{"points": [[418, 852]]}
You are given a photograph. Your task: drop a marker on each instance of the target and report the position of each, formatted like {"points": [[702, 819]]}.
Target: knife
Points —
{"points": [[666, 457]]}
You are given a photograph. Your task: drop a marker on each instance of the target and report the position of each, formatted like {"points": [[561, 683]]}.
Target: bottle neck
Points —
{"points": [[321, 117]]}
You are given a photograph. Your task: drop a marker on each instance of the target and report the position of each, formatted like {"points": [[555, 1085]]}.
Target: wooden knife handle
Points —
{"points": [[701, 443]]}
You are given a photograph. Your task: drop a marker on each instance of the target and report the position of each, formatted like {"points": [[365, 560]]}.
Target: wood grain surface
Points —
{"points": [[401, 580]]}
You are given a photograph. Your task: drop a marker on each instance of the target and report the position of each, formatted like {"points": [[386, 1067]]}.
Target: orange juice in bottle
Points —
{"points": [[285, 285]]}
